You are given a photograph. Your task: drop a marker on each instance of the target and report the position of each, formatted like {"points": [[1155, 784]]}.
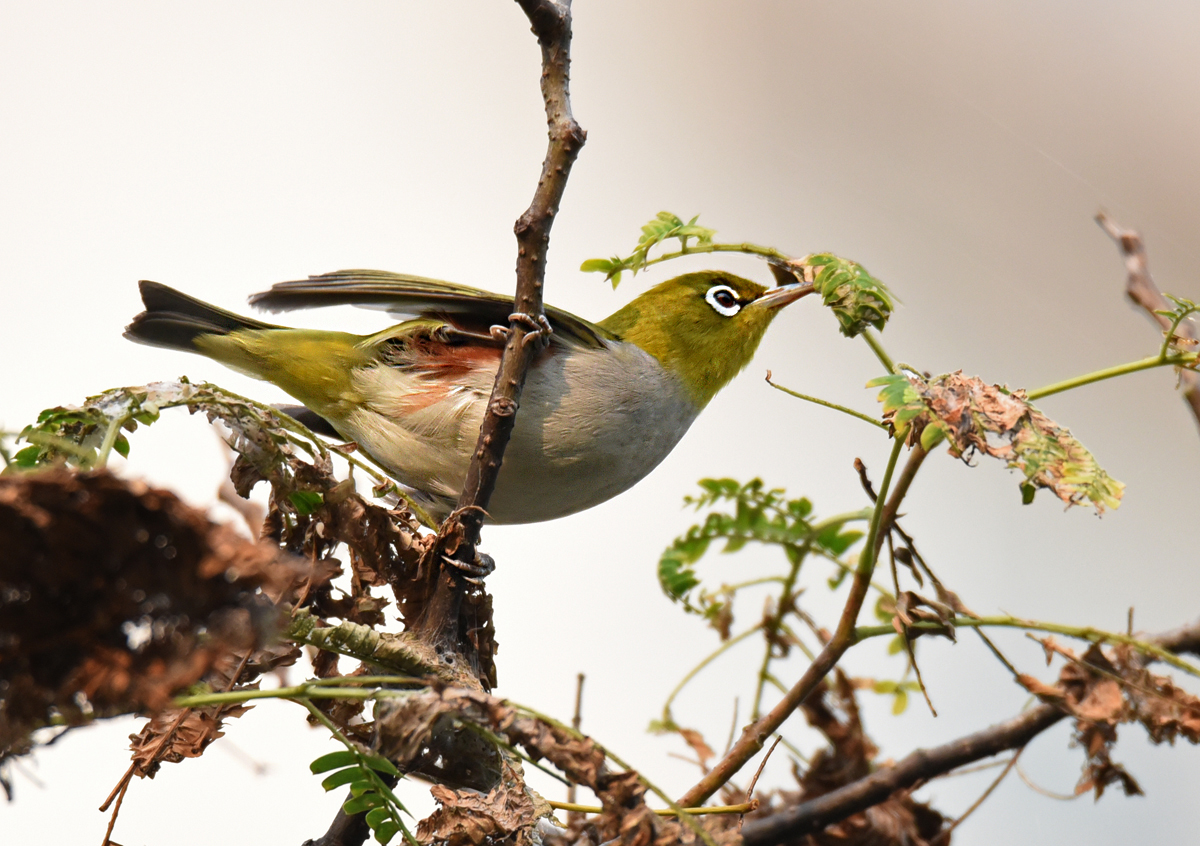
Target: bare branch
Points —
{"points": [[1141, 289], [808, 817], [921, 765]]}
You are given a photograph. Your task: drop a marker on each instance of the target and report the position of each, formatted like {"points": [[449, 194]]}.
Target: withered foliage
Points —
{"points": [[173, 734], [114, 596], [976, 417], [898, 821], [494, 802], [1102, 689]]}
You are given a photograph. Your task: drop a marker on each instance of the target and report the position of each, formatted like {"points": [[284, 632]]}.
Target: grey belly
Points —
{"points": [[618, 417]]}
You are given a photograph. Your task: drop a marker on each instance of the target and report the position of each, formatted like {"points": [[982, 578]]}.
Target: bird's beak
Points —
{"points": [[784, 294]]}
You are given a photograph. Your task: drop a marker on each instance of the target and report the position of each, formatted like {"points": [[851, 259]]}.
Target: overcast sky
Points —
{"points": [[958, 150]]}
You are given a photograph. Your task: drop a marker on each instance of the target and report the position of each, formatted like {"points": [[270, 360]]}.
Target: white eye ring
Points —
{"points": [[724, 300]]}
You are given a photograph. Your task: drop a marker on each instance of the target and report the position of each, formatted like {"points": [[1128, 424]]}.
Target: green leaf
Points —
{"points": [[933, 435], [333, 761], [28, 457], [121, 445], [597, 266], [306, 502], [358, 804], [378, 816], [900, 703], [350, 775], [896, 645], [386, 831], [675, 576], [843, 541], [381, 764]]}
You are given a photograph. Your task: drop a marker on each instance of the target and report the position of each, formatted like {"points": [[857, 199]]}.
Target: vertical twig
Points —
{"points": [[552, 25], [444, 622], [575, 818]]}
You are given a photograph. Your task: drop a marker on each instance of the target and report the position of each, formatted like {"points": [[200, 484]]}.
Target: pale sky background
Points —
{"points": [[958, 150]]}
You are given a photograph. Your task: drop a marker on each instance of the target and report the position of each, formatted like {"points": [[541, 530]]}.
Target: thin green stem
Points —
{"points": [[827, 404], [110, 439], [751, 249], [691, 674], [772, 630], [880, 352], [1087, 633], [866, 561], [796, 641], [297, 693], [1179, 360], [765, 580], [744, 808], [846, 568]]}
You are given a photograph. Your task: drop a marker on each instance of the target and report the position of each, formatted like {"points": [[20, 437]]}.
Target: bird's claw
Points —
{"points": [[473, 572], [539, 327]]}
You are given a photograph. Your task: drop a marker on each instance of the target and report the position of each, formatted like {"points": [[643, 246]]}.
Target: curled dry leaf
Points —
{"points": [[508, 813], [1104, 689], [976, 417], [84, 637]]}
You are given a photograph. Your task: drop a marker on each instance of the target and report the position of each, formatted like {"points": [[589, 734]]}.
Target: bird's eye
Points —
{"points": [[723, 299]]}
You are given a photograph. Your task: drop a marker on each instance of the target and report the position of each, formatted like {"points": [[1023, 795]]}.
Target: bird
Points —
{"points": [[603, 403]]}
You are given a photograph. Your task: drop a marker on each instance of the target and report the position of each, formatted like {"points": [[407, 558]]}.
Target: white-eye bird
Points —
{"points": [[603, 403]]}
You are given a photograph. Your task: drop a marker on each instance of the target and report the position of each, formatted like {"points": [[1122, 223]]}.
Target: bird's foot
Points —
{"points": [[473, 572], [539, 327]]}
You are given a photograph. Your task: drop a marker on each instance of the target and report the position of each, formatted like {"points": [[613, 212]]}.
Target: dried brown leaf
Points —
{"points": [[695, 739], [507, 813], [88, 635]]}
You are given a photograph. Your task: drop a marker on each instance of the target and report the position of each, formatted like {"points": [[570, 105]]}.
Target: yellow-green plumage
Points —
{"points": [[704, 348], [602, 406]]}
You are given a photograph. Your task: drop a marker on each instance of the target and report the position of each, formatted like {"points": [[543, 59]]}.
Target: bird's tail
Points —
{"points": [[174, 320]]}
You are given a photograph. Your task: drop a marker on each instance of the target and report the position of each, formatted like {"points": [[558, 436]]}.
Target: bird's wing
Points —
{"points": [[403, 295]]}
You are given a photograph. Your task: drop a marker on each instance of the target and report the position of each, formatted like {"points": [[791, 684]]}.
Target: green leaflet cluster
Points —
{"points": [[976, 417], [759, 514], [857, 299], [83, 436], [368, 791], [664, 227], [1173, 339]]}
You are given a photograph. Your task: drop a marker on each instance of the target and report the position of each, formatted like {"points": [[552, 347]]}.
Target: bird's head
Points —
{"points": [[704, 327]]}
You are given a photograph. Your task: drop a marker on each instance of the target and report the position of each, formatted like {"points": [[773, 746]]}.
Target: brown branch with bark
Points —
{"points": [[1141, 289], [922, 765], [755, 736], [458, 610]]}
